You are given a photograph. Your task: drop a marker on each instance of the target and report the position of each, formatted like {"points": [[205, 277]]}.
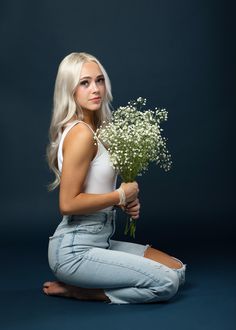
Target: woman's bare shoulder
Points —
{"points": [[79, 138]]}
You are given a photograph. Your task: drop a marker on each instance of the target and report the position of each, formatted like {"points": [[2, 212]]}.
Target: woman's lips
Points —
{"points": [[95, 99]]}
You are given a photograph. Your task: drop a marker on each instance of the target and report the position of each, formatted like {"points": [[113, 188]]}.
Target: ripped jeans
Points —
{"points": [[82, 253]]}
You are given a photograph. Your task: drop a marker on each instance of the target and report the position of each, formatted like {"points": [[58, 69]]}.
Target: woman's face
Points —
{"points": [[91, 89]]}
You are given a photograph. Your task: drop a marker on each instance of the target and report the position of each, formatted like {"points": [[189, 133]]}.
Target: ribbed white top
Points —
{"points": [[101, 177]]}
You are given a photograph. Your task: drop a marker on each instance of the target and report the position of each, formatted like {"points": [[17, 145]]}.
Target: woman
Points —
{"points": [[87, 262]]}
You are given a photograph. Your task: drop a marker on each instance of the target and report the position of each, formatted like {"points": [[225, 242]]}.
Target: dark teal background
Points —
{"points": [[180, 55]]}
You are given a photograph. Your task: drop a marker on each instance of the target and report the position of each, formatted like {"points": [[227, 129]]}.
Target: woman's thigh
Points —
{"points": [[163, 258], [133, 248], [105, 268], [146, 251], [153, 254]]}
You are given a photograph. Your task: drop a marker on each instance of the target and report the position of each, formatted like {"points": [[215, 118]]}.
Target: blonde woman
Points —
{"points": [[87, 263]]}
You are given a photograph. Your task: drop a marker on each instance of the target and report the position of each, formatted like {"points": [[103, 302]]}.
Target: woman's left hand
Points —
{"points": [[132, 208]]}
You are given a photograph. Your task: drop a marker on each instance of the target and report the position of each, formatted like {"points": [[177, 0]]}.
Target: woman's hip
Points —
{"points": [[75, 235]]}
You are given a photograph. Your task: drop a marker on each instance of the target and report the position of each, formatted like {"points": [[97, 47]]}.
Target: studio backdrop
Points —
{"points": [[179, 55]]}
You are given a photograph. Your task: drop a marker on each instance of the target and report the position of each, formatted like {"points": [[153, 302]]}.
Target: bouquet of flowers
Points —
{"points": [[133, 139]]}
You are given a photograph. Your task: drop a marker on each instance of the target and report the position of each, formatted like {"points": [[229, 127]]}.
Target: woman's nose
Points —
{"points": [[94, 86]]}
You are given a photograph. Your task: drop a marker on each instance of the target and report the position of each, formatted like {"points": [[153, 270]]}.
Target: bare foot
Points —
{"points": [[58, 289], [65, 290]]}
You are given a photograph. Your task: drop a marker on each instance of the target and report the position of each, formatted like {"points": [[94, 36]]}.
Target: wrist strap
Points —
{"points": [[122, 196]]}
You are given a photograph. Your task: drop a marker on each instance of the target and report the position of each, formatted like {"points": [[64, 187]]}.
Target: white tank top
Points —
{"points": [[101, 177]]}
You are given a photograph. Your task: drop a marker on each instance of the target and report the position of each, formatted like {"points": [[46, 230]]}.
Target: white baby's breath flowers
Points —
{"points": [[133, 139]]}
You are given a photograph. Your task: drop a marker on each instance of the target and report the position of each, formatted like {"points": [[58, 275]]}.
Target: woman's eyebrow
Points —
{"points": [[87, 77]]}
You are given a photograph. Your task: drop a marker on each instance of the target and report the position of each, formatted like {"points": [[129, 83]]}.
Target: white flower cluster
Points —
{"points": [[133, 138]]}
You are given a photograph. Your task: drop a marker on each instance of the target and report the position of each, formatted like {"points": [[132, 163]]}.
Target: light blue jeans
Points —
{"points": [[82, 253]]}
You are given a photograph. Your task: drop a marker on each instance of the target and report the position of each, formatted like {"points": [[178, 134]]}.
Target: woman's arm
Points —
{"points": [[78, 151]]}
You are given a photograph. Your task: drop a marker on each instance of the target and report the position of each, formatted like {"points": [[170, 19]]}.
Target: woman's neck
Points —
{"points": [[88, 119]]}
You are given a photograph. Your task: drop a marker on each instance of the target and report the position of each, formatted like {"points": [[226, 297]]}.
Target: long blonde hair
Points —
{"points": [[65, 107]]}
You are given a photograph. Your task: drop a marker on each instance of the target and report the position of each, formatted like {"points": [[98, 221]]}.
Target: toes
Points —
{"points": [[46, 284], [45, 290], [55, 288]]}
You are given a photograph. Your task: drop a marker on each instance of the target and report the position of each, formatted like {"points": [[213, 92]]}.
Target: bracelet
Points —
{"points": [[122, 196]]}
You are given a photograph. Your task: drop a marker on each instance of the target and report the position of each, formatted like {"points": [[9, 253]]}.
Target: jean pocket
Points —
{"points": [[53, 251], [92, 228]]}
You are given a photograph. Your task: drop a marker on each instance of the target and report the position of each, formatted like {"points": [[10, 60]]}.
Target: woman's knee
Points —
{"points": [[168, 288], [172, 284], [181, 274]]}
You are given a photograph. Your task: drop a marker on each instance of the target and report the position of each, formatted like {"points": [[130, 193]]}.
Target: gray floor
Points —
{"points": [[207, 301]]}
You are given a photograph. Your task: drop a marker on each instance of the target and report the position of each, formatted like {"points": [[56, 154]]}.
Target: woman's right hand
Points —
{"points": [[131, 190]]}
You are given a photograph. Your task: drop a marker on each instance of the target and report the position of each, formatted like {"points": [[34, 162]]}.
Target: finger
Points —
{"points": [[129, 206], [135, 217], [133, 213], [134, 208], [133, 203]]}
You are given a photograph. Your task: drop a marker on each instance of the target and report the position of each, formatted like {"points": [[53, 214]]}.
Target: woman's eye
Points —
{"points": [[101, 80], [84, 83]]}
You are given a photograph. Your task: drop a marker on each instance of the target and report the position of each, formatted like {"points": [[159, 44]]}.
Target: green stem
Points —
{"points": [[130, 227]]}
